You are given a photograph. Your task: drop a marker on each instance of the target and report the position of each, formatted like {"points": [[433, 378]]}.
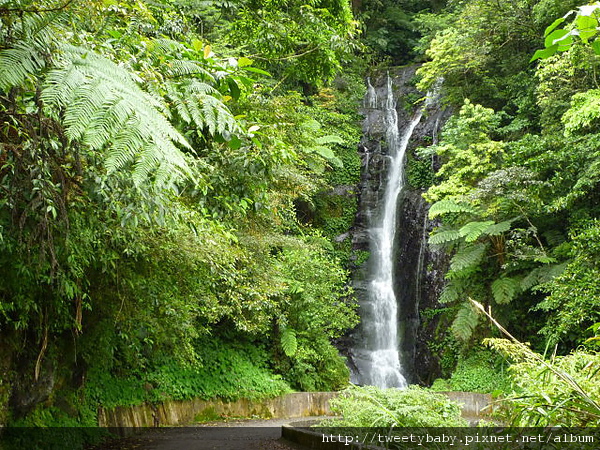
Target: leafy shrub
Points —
{"points": [[559, 392], [480, 371], [370, 406], [226, 371]]}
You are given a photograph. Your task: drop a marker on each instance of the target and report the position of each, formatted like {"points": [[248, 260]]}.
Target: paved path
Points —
{"points": [[230, 435]]}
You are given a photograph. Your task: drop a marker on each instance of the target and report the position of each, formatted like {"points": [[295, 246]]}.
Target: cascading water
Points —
{"points": [[378, 359]]}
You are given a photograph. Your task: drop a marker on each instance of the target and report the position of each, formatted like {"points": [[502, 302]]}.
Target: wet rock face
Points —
{"points": [[418, 271], [27, 391]]}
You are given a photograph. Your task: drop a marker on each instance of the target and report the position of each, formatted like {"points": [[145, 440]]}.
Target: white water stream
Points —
{"points": [[380, 362]]}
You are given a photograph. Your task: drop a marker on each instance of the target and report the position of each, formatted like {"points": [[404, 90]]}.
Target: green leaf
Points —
{"points": [[234, 143], [448, 206], [545, 53], [596, 47], [469, 256], [234, 89], [329, 139], [498, 228], [554, 24], [244, 61], [465, 322], [325, 152], [586, 23], [505, 289], [289, 343], [473, 230], [444, 236], [197, 45], [449, 294], [555, 37], [259, 71]]}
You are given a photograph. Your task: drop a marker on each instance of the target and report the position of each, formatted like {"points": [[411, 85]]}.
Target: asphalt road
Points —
{"points": [[230, 435]]}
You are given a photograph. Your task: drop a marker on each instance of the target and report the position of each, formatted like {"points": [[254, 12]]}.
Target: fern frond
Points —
{"points": [[442, 237], [289, 343], [499, 228], [465, 322], [182, 67], [541, 275], [449, 294], [469, 256], [449, 206], [33, 36], [472, 230], [196, 103], [102, 106], [505, 289]]}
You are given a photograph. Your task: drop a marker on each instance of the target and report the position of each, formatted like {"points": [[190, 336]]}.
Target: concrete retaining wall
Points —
{"points": [[124, 420]]}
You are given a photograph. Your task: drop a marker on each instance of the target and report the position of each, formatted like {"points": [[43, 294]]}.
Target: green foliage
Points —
{"points": [[573, 293], [151, 185], [560, 392], [465, 322], [305, 43], [448, 206], [225, 371], [412, 407], [473, 230], [519, 179], [505, 289], [289, 343], [101, 106], [478, 371], [419, 172], [317, 308], [467, 257], [584, 111], [390, 28], [585, 26], [53, 429]]}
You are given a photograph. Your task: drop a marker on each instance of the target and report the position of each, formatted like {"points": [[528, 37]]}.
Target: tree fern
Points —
{"points": [[196, 103], [465, 322], [467, 257], [449, 206], [541, 275], [101, 106], [449, 293], [505, 289], [442, 237], [33, 38], [472, 230], [498, 228], [177, 65]]}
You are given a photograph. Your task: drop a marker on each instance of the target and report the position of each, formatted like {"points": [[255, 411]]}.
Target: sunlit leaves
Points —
{"points": [[585, 26]]}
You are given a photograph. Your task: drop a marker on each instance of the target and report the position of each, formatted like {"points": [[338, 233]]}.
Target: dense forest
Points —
{"points": [[178, 177]]}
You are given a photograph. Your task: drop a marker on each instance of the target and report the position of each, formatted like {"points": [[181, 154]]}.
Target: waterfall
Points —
{"points": [[371, 95], [378, 360]]}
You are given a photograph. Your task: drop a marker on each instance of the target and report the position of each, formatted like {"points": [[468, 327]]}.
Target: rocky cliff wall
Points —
{"points": [[418, 270]]}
